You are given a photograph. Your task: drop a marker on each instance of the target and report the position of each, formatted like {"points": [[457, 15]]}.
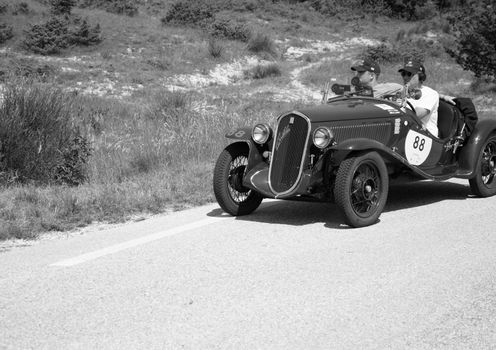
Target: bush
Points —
{"points": [[39, 139], [263, 71], [412, 46], [48, 38], [405, 8], [86, 35], [189, 12], [57, 34], [62, 7], [475, 33], [223, 27], [3, 8], [6, 32], [21, 8], [259, 43]]}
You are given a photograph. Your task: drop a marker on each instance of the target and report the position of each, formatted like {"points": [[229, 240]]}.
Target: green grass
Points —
{"points": [[153, 149]]}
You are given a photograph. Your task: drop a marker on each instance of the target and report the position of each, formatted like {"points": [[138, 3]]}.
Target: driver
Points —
{"points": [[368, 72], [413, 74]]}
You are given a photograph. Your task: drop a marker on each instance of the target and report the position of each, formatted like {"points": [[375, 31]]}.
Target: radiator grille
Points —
{"points": [[379, 132], [287, 156]]}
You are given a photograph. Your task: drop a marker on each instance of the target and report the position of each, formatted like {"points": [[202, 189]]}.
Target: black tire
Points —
{"points": [[483, 184], [361, 189], [232, 196]]}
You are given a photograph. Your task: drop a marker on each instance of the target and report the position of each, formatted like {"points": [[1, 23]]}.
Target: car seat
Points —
{"points": [[449, 119]]}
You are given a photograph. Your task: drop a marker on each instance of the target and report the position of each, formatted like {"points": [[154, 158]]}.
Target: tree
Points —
{"points": [[475, 38]]}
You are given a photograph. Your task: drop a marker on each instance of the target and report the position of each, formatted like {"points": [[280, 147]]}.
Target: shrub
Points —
{"points": [[189, 12], [6, 32], [62, 7], [86, 35], [414, 47], [48, 38], [381, 53], [263, 71], [259, 43], [405, 8], [475, 32], [56, 35], [39, 139], [227, 28], [3, 8], [21, 8], [122, 7]]}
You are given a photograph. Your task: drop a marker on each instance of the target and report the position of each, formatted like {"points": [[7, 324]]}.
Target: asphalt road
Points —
{"points": [[289, 276]]}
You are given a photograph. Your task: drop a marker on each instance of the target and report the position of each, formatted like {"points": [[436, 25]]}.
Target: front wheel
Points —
{"points": [[361, 188], [232, 196], [483, 184]]}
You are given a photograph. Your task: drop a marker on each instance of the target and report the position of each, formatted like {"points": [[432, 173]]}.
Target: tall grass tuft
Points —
{"points": [[39, 140], [215, 48]]}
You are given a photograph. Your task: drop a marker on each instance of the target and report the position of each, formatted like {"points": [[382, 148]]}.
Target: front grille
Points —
{"points": [[287, 156], [379, 131]]}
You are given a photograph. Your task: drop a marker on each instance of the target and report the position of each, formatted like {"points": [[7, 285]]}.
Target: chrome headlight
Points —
{"points": [[322, 137], [260, 133]]}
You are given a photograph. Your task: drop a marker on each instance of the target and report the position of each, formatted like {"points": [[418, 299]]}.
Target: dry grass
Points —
{"points": [[154, 150]]}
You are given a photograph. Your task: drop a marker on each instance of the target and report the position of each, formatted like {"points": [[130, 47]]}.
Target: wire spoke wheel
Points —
{"points": [[361, 188], [365, 189], [233, 197], [488, 163], [237, 168], [483, 184]]}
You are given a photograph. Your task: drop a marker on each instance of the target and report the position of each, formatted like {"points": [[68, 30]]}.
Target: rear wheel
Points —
{"points": [[361, 189], [483, 184], [232, 196]]}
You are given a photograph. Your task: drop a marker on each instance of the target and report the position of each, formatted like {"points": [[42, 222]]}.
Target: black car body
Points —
{"points": [[346, 150]]}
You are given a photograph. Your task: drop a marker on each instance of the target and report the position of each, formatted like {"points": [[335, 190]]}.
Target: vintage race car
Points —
{"points": [[346, 150]]}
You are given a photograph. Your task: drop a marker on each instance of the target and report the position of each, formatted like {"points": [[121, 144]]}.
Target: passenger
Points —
{"points": [[413, 74], [368, 72]]}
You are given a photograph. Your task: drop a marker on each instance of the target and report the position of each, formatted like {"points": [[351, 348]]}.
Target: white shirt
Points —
{"points": [[430, 101]]}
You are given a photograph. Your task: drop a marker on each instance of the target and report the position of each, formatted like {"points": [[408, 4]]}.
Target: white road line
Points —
{"points": [[134, 242]]}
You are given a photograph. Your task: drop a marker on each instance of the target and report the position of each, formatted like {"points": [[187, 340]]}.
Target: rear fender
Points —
{"points": [[469, 153]]}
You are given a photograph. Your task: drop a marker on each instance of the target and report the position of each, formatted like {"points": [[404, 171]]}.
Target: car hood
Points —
{"points": [[351, 109]]}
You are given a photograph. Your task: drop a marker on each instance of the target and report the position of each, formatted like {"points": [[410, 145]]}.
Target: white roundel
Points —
{"points": [[417, 147]]}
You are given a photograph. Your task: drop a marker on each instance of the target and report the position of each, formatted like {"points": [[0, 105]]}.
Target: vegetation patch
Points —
{"points": [[6, 32], [189, 12], [40, 140], [262, 71], [474, 47], [227, 28], [58, 33], [262, 43], [121, 7]]}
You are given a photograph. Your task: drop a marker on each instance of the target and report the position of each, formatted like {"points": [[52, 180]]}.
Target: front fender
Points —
{"points": [[469, 153], [362, 144], [343, 149], [240, 134]]}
